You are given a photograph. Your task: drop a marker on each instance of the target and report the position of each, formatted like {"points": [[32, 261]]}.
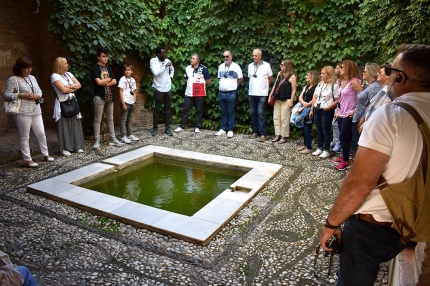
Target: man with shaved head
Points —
{"points": [[391, 144], [260, 77], [230, 77]]}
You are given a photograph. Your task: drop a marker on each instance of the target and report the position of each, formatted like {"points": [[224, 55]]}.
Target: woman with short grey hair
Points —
{"points": [[370, 74]]}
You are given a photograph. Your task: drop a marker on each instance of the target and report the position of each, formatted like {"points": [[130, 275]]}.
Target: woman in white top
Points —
{"points": [[69, 129], [24, 86], [322, 110]]}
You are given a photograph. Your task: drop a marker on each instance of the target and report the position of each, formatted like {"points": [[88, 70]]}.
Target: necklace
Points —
{"points": [[29, 84], [226, 71], [256, 69]]}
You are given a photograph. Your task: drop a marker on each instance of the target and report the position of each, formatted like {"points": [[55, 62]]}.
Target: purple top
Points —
{"points": [[347, 99]]}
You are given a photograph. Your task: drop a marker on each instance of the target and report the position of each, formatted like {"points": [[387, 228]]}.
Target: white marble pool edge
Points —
{"points": [[199, 228]]}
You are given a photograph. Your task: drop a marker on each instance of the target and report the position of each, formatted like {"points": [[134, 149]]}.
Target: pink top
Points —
{"points": [[347, 99]]}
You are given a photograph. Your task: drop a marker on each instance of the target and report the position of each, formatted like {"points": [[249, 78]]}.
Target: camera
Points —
{"points": [[318, 105], [255, 76], [225, 75], [131, 92], [39, 100]]}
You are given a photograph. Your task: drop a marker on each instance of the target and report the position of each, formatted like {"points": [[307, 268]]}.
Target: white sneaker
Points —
{"points": [[230, 134], [220, 132], [66, 153], [197, 130], [337, 148], [80, 151], [133, 138], [96, 145], [126, 140], [317, 152], [179, 129], [115, 142], [324, 155]]}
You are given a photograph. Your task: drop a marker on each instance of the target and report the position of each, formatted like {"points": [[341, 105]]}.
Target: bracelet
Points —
{"points": [[328, 225]]}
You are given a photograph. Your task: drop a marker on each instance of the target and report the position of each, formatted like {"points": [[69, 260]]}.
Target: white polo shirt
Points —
{"points": [[259, 86]]}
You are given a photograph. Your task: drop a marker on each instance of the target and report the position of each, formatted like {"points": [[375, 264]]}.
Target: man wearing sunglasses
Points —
{"points": [[260, 77], [230, 77], [391, 144]]}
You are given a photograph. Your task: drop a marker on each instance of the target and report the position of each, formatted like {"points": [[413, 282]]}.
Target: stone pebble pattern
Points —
{"points": [[271, 241]]}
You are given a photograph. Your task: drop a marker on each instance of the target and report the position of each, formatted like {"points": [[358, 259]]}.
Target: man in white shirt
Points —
{"points": [[260, 77], [197, 77], [230, 75], [163, 72], [391, 144]]}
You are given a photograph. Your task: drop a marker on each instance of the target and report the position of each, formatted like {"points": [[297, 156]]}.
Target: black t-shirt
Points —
{"points": [[100, 72], [285, 89], [309, 93]]}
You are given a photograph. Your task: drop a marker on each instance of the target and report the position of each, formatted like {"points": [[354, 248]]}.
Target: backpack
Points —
{"points": [[409, 201]]}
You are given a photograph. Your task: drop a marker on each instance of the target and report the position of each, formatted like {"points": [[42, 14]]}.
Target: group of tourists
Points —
{"points": [[338, 101]]}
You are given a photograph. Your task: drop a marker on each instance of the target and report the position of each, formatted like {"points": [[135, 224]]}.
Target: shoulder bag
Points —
{"points": [[12, 106]]}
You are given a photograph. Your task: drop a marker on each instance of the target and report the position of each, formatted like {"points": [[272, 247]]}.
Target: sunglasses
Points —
{"points": [[389, 69], [225, 57]]}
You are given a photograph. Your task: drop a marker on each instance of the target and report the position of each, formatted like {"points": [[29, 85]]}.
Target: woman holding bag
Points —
{"points": [[283, 92], [25, 87], [69, 128]]}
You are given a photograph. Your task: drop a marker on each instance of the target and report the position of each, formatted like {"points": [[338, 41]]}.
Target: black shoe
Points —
{"points": [[168, 132]]}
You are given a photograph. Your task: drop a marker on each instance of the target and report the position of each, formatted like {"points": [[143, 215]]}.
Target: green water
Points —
{"points": [[174, 186]]}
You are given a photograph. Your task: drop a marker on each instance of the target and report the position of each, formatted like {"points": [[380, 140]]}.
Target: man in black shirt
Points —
{"points": [[103, 78]]}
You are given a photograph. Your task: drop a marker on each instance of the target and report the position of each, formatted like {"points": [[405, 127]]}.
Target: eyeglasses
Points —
{"points": [[225, 57], [389, 69]]}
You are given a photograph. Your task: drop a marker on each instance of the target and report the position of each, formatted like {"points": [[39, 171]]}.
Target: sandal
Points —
{"points": [[31, 164], [48, 158], [282, 141], [277, 138]]}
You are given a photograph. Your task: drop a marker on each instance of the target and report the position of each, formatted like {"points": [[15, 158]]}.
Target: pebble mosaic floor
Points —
{"points": [[271, 241]]}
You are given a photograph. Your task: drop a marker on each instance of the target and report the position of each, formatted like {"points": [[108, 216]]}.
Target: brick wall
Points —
{"points": [[23, 32]]}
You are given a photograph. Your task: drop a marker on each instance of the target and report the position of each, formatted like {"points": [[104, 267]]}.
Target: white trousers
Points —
{"points": [[281, 117], [34, 122]]}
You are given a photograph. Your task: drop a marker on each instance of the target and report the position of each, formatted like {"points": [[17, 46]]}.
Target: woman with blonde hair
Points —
{"points": [[350, 87], [305, 98], [69, 129], [284, 92], [322, 110], [24, 86]]}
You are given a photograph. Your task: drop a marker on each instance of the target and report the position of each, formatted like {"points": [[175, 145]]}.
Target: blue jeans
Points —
{"points": [[323, 120], [257, 104], [355, 137], [364, 246], [345, 127], [227, 101], [307, 135], [28, 278]]}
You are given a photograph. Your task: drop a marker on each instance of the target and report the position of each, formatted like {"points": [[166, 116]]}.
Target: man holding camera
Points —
{"points": [[367, 237], [260, 77], [163, 72], [230, 75]]}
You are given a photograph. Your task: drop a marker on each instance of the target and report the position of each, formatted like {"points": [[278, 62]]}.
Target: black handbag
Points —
{"points": [[69, 108]]}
